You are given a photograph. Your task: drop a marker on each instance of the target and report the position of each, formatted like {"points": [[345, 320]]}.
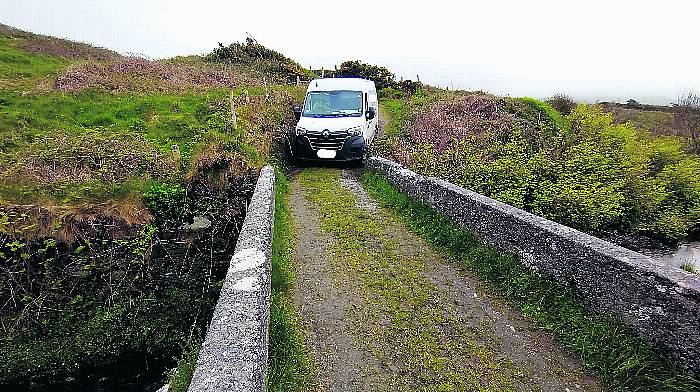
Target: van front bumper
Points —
{"points": [[353, 149]]}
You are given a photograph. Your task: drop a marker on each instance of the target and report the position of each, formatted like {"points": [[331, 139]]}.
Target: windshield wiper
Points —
{"points": [[332, 115]]}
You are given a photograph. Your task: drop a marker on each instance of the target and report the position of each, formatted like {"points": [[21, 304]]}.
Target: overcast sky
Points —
{"points": [[592, 50]]}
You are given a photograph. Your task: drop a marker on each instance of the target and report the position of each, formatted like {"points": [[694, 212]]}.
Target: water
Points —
{"points": [[688, 253]]}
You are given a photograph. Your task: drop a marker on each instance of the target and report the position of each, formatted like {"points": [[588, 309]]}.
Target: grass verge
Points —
{"points": [[290, 364], [622, 360], [181, 377]]}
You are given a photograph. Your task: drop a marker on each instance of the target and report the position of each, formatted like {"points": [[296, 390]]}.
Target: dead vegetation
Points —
{"points": [[70, 224], [62, 157], [142, 75], [52, 46]]}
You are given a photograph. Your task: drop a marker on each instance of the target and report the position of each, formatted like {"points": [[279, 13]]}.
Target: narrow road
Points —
{"points": [[384, 311]]}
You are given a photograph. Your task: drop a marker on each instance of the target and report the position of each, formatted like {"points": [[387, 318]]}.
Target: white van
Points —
{"points": [[338, 120]]}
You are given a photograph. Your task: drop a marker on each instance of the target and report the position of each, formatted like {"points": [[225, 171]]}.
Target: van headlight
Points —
{"points": [[300, 131], [355, 131]]}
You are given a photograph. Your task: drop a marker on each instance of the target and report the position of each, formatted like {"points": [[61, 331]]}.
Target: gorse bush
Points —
{"points": [[251, 53], [381, 76], [581, 170], [563, 103]]}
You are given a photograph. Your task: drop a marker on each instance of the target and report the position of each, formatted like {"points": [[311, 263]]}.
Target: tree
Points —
{"points": [[381, 76], [409, 87], [632, 103], [255, 55], [687, 115]]}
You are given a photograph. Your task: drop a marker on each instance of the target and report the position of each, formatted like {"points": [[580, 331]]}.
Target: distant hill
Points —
{"points": [[657, 119], [43, 44]]}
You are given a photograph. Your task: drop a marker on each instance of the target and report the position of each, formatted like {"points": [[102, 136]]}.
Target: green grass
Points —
{"points": [[395, 109], [622, 361], [181, 377], [689, 267], [164, 119], [19, 66], [550, 112], [290, 364], [59, 127]]}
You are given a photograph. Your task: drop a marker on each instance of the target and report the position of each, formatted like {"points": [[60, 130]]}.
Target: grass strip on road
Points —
{"points": [[290, 364]]}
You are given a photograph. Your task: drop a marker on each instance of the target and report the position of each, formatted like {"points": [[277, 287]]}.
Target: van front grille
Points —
{"points": [[326, 140]]}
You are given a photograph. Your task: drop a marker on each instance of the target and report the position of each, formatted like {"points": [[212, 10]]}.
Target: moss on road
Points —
{"points": [[415, 322]]}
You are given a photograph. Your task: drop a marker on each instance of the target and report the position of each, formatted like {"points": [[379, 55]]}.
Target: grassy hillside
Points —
{"points": [[658, 120], [101, 274], [583, 170]]}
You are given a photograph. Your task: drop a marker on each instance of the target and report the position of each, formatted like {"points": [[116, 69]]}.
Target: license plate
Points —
{"points": [[326, 154]]}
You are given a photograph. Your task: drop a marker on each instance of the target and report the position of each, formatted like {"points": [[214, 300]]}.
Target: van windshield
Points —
{"points": [[339, 103]]}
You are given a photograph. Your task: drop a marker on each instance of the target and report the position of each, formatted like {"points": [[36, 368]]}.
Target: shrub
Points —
{"points": [[581, 170], [251, 53], [381, 76], [563, 103], [166, 201], [390, 93], [410, 87]]}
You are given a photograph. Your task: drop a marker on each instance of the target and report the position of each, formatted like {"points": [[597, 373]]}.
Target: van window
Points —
{"points": [[372, 97], [340, 103], [372, 100]]}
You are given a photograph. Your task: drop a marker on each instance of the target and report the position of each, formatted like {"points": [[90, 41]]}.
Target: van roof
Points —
{"points": [[330, 84]]}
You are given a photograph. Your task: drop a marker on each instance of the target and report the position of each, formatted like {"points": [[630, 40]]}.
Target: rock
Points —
{"points": [[198, 223]]}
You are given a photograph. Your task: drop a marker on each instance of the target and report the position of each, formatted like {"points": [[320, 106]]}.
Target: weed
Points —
{"points": [[689, 267]]}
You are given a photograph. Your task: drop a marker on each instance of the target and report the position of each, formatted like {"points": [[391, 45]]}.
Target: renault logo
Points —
{"points": [[326, 133]]}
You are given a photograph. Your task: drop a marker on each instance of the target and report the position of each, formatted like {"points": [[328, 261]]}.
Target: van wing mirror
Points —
{"points": [[371, 113], [297, 112]]}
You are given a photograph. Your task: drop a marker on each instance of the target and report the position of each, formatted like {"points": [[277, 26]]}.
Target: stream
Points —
{"points": [[686, 253]]}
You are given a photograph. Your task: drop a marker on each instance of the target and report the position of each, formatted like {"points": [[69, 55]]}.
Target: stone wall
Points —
{"points": [[659, 301], [234, 354]]}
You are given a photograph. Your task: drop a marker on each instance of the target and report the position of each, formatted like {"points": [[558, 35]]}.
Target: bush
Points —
{"points": [[166, 201], [581, 170], [381, 76], [251, 53], [410, 87], [563, 103], [390, 93]]}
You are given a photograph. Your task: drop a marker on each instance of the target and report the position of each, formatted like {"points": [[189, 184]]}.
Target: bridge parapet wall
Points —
{"points": [[659, 301], [234, 353]]}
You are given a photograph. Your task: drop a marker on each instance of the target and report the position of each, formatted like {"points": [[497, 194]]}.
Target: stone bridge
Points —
{"points": [[661, 304]]}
